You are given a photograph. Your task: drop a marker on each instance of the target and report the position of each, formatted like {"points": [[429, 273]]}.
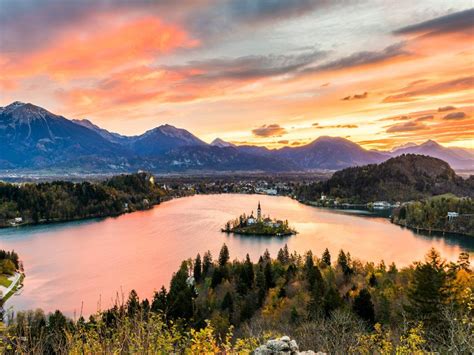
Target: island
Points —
{"points": [[259, 225]]}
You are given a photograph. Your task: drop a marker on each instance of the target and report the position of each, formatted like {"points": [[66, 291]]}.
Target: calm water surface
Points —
{"points": [[86, 264]]}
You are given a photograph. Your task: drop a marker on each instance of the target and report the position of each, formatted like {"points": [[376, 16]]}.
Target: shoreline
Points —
{"points": [[13, 288], [307, 203]]}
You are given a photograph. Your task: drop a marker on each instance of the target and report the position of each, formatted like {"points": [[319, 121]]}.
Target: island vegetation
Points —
{"points": [[47, 202], [258, 226], [444, 213], [335, 304]]}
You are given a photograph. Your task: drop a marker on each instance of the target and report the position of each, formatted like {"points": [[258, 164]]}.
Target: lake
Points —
{"points": [[87, 265]]}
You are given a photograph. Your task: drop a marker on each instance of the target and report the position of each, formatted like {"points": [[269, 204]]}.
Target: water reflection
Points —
{"points": [[90, 261]]}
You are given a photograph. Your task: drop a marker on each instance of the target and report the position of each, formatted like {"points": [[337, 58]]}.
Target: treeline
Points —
{"points": [[335, 306], [404, 178], [9, 262], [63, 201], [432, 215]]}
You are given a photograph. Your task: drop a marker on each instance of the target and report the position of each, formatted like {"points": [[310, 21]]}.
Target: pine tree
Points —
{"points": [[250, 275], [427, 291], [364, 307], [228, 303], [160, 303], [224, 255], [326, 258], [207, 263], [133, 304], [343, 262], [373, 280], [268, 272], [197, 271]]}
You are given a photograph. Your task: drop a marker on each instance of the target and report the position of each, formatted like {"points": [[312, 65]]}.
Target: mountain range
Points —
{"points": [[33, 138]]}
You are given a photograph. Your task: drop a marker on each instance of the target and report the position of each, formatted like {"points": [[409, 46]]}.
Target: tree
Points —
{"points": [[223, 255], [268, 272], [180, 297], [133, 304], [228, 303], [326, 258], [427, 291], [250, 275], [364, 307], [372, 280], [159, 302], [206, 263], [197, 271], [343, 262]]}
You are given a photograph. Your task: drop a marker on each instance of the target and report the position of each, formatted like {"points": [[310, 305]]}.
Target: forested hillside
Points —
{"points": [[432, 215], [404, 178], [335, 304], [63, 200]]}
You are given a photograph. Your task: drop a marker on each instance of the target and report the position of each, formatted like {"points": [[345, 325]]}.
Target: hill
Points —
{"points": [[403, 178]]}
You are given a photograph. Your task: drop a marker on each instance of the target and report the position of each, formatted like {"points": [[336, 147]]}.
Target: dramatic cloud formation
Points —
{"points": [[273, 130], [217, 67]]}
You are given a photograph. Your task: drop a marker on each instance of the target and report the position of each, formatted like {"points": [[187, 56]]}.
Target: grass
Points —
{"points": [[4, 281]]}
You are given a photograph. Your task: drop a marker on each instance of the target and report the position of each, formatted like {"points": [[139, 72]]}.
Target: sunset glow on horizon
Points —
{"points": [[262, 72]]}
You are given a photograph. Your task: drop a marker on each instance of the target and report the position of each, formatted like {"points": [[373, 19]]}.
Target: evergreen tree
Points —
{"points": [[180, 297], [197, 271], [224, 255], [372, 280], [326, 258], [343, 262], [249, 271], [133, 304], [427, 291], [268, 272], [159, 302], [228, 303], [206, 263], [364, 307]]}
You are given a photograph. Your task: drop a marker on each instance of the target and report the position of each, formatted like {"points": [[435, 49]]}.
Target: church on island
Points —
{"points": [[258, 225]]}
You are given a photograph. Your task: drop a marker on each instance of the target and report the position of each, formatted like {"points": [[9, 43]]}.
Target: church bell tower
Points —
{"points": [[259, 212]]}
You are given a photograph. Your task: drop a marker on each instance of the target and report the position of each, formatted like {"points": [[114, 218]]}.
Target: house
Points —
{"points": [[18, 220], [452, 215], [380, 205], [323, 197]]}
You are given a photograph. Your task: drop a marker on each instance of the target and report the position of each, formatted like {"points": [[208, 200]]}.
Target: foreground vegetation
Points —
{"points": [[63, 201], [9, 264], [338, 306], [432, 215]]}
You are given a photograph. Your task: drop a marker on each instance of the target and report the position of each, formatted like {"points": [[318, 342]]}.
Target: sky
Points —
{"points": [[264, 72]]}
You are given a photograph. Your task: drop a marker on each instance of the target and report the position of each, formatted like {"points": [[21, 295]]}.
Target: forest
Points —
{"points": [[62, 200], [404, 178], [432, 215], [330, 303]]}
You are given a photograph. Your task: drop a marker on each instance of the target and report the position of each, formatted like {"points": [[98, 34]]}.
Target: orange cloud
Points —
{"points": [[100, 50]]}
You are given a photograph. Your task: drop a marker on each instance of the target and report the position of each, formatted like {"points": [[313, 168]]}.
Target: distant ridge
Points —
{"points": [[33, 138]]}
